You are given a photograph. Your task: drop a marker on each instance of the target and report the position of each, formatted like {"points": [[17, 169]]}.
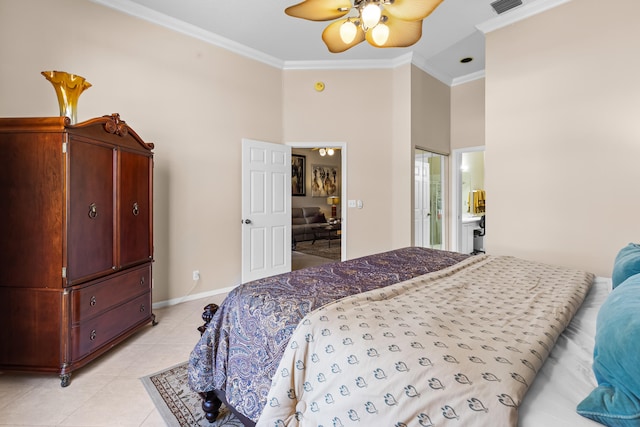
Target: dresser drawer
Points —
{"points": [[91, 334], [90, 301]]}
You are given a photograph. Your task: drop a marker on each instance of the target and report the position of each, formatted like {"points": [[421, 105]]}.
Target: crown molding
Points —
{"points": [[150, 15], [468, 78], [408, 58], [355, 64], [518, 14]]}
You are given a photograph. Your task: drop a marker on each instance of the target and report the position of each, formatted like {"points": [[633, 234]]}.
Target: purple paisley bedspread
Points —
{"points": [[240, 350]]}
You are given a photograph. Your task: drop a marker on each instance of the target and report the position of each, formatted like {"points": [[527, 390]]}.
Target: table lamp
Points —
{"points": [[333, 201]]}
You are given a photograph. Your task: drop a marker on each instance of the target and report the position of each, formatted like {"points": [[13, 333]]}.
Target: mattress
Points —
{"points": [[566, 377]]}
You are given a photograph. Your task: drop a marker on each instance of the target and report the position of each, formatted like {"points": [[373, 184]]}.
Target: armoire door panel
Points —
{"points": [[91, 210], [135, 208], [31, 217]]}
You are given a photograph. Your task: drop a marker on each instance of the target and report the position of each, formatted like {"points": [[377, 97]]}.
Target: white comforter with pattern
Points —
{"points": [[458, 347]]}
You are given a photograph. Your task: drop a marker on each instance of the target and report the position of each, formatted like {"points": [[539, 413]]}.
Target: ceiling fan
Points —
{"points": [[383, 23]]}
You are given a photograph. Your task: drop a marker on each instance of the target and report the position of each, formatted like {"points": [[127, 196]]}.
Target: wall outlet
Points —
{"points": [[352, 203], [196, 275], [360, 204]]}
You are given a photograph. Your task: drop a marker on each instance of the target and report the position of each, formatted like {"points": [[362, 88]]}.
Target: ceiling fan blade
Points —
{"points": [[401, 33], [319, 10], [411, 10], [331, 37]]}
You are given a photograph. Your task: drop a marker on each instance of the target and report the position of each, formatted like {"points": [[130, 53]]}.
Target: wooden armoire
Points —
{"points": [[76, 240]]}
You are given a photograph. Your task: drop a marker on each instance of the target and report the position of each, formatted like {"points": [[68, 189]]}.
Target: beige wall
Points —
{"points": [[468, 115], [193, 100], [561, 128], [563, 134], [196, 102], [401, 200], [430, 112], [349, 111]]}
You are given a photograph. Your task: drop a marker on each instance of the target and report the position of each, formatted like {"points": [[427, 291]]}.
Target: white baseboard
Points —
{"points": [[174, 301]]}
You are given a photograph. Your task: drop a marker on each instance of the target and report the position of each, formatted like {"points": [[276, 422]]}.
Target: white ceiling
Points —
{"points": [[261, 29]]}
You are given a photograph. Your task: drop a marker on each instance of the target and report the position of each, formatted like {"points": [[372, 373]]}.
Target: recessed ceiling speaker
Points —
{"points": [[501, 6]]}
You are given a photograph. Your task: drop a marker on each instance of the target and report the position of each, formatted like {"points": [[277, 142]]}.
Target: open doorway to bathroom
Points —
{"points": [[469, 199], [428, 206]]}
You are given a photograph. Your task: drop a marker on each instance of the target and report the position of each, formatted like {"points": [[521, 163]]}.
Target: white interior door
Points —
{"points": [[266, 209]]}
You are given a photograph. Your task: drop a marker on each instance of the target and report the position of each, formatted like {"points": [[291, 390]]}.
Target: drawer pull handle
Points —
{"points": [[142, 308], [92, 301], [136, 209], [93, 211], [142, 280], [92, 335]]}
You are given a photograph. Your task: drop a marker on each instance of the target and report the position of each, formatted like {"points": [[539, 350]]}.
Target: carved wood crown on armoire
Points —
{"points": [[76, 242]]}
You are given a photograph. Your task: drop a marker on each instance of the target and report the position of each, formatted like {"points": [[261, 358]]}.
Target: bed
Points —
{"points": [[256, 320], [257, 353]]}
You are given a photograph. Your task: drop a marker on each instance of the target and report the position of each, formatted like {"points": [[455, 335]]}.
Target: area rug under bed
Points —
{"points": [[177, 404]]}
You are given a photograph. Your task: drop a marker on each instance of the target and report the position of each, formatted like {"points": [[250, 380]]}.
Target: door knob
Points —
{"points": [[247, 221]]}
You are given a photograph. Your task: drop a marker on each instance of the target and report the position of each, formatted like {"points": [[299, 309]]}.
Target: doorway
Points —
{"points": [[317, 158], [467, 176], [428, 214]]}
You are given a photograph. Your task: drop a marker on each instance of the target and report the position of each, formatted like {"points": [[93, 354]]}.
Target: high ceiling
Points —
{"points": [[261, 29]]}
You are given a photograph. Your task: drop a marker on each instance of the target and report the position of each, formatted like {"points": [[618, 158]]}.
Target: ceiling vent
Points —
{"points": [[501, 6]]}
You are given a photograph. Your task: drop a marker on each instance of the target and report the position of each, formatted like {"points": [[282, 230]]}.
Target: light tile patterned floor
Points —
{"points": [[108, 391]]}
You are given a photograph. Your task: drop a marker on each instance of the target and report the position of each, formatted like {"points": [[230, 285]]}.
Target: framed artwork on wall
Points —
{"points": [[298, 165], [324, 181]]}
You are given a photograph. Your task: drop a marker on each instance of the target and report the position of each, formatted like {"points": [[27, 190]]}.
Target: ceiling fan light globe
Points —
{"points": [[330, 151], [348, 32], [380, 34], [322, 152], [371, 15]]}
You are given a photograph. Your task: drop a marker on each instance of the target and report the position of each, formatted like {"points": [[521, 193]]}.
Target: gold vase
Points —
{"points": [[68, 87]]}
